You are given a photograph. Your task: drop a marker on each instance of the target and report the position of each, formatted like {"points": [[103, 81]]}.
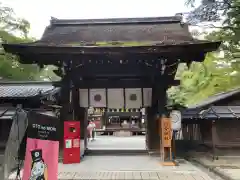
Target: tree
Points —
{"points": [[10, 68], [9, 22], [202, 80], [225, 12], [15, 30], [216, 73]]}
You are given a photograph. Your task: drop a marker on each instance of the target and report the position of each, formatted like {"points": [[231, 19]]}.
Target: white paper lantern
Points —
{"points": [[176, 118]]}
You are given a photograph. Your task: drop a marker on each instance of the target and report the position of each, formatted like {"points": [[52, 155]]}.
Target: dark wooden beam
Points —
{"points": [[75, 103], [112, 50], [117, 67], [132, 59], [118, 83], [127, 83], [65, 103]]}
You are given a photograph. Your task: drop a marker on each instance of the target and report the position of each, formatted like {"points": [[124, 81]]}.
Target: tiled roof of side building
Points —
{"points": [[26, 89], [214, 112], [215, 98], [225, 112], [209, 108]]}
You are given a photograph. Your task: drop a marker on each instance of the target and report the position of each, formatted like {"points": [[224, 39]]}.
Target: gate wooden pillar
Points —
{"points": [[80, 114], [153, 123], [157, 110], [65, 103], [164, 126]]}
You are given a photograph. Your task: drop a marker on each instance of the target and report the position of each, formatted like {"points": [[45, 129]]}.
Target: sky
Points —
{"points": [[38, 13]]}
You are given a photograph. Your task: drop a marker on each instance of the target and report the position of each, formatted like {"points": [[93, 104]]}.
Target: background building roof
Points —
{"points": [[215, 98], [17, 90], [214, 112]]}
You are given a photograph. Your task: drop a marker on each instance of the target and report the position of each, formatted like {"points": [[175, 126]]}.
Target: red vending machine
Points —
{"points": [[71, 149]]}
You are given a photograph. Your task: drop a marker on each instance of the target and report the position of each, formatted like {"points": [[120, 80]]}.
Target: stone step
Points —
{"points": [[115, 152]]}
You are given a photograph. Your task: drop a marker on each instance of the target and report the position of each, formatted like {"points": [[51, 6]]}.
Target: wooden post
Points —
{"points": [[214, 140], [65, 103], [166, 142], [174, 146]]}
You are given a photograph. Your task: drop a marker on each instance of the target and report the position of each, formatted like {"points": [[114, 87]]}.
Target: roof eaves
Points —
{"points": [[214, 112], [5, 83], [24, 47], [50, 92], [224, 112], [29, 90], [215, 98]]}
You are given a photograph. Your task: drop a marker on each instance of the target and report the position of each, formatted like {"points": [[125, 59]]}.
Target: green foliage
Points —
{"points": [[9, 22], [10, 68], [228, 11], [215, 74], [15, 30], [204, 79]]}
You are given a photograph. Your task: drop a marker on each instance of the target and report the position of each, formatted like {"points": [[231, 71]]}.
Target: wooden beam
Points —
{"points": [[116, 69], [105, 83], [118, 83]]}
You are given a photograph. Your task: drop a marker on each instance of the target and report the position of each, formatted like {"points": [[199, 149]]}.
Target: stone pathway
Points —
{"points": [[119, 143], [129, 167], [226, 167], [147, 175]]}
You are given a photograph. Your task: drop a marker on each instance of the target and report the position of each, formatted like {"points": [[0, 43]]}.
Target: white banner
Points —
{"points": [[98, 97], [115, 98], [147, 97], [133, 98], [83, 96]]}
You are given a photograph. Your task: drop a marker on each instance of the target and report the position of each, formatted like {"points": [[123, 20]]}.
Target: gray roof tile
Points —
{"points": [[215, 98], [25, 90], [223, 112], [214, 112]]}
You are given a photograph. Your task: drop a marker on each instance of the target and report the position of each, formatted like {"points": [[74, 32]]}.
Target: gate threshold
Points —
{"points": [[115, 152]]}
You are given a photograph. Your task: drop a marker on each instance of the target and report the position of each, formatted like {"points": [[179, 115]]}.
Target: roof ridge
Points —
{"points": [[27, 82], [135, 20]]}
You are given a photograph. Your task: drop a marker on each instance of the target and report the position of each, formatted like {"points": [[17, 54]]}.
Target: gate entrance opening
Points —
{"points": [[117, 130]]}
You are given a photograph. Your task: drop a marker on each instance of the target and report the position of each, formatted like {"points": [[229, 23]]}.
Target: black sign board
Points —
{"points": [[41, 126]]}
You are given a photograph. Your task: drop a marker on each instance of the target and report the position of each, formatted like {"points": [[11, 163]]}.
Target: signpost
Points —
{"points": [[166, 142], [166, 132]]}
